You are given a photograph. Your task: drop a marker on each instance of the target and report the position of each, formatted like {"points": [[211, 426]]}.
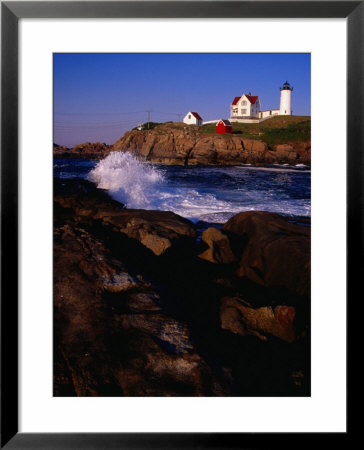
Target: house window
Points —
{"points": [[243, 103], [243, 111], [189, 116]]}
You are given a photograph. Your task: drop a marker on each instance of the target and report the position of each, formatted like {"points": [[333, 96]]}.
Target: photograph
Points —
{"points": [[182, 224]]}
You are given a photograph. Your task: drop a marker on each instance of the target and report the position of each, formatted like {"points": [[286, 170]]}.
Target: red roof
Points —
{"points": [[251, 98], [198, 117]]}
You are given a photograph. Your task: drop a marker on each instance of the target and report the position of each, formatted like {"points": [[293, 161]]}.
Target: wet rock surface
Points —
{"points": [[138, 312]]}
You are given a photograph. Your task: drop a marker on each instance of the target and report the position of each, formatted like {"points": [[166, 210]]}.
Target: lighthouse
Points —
{"points": [[286, 93]]}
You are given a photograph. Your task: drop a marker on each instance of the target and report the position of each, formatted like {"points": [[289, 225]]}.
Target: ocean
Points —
{"points": [[210, 194]]}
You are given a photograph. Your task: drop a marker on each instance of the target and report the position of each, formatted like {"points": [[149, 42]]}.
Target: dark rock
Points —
{"points": [[275, 251], [138, 313], [240, 318], [218, 251], [112, 337], [156, 230], [84, 198]]}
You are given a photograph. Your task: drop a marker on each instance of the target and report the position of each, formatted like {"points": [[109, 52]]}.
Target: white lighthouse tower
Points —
{"points": [[286, 93]]}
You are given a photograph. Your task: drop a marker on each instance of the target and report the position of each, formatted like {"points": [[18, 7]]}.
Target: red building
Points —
{"points": [[224, 126]]}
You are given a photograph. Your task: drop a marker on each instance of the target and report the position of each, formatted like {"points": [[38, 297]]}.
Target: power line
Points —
{"points": [[64, 127], [60, 113], [96, 114], [96, 124], [60, 125]]}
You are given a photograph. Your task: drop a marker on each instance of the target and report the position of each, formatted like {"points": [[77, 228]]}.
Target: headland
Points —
{"points": [[279, 140]]}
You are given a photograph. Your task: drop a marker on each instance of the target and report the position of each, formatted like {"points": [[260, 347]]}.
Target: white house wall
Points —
{"points": [[249, 109], [269, 113], [246, 107], [255, 109], [190, 121]]}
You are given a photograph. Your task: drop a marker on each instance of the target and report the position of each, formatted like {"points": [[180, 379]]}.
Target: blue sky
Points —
{"points": [[98, 97]]}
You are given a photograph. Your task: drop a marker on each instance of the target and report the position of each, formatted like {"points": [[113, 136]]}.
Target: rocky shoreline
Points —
{"points": [[177, 144], [89, 150], [142, 308]]}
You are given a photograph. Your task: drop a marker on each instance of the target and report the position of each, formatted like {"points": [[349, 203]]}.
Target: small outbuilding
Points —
{"points": [[224, 126], [193, 118]]}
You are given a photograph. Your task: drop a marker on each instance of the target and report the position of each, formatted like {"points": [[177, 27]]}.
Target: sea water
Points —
{"points": [[199, 193]]}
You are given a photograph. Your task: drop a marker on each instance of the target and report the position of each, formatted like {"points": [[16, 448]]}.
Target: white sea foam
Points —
{"points": [[279, 168], [128, 180], [196, 193]]}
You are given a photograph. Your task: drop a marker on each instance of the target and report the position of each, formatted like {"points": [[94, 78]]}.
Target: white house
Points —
{"points": [[245, 107], [193, 118]]}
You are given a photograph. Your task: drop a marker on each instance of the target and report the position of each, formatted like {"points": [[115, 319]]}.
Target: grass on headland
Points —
{"points": [[147, 126], [277, 130]]}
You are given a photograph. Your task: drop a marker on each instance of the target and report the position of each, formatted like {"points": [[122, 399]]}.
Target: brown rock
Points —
{"points": [[253, 145], [84, 198], [128, 323], [284, 149], [219, 251], [59, 149], [203, 152], [276, 253], [239, 318], [156, 230], [91, 147], [121, 282], [177, 143], [293, 153], [90, 150], [112, 338]]}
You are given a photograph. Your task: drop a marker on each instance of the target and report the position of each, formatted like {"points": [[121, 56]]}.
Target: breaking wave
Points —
{"points": [[128, 180], [211, 194]]}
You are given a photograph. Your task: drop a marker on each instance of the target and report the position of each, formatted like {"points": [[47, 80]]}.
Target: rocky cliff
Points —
{"points": [[187, 145], [181, 144]]}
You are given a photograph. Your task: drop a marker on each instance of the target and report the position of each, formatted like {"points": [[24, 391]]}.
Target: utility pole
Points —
{"points": [[148, 111], [179, 117]]}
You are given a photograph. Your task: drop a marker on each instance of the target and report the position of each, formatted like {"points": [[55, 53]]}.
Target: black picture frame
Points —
{"points": [[11, 12]]}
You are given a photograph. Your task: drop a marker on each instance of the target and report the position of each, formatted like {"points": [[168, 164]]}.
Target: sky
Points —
{"points": [[100, 96]]}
